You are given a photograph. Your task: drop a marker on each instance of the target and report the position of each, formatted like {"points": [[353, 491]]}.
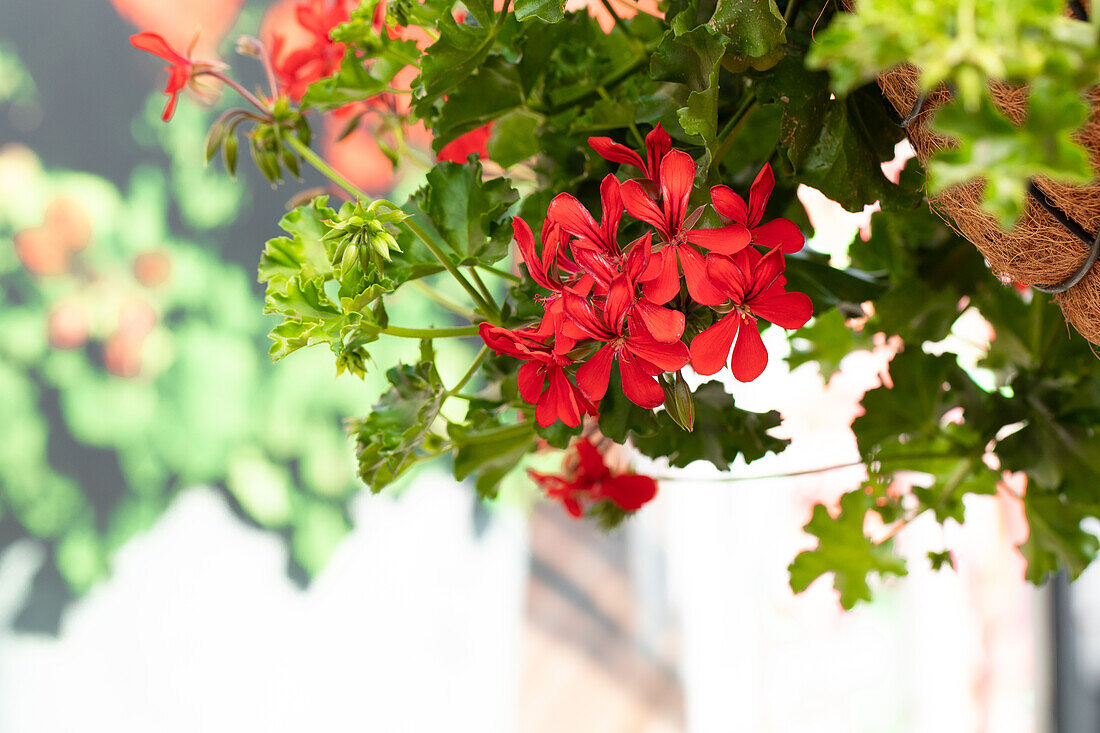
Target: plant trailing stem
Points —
{"points": [[430, 333], [446, 302], [452, 392], [727, 133], [501, 273], [239, 89], [324, 168]]}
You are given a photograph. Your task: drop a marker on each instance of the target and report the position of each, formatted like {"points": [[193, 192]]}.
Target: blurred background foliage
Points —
{"points": [[133, 352]]}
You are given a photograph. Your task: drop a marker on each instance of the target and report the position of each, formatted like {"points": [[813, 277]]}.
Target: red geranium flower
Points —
{"points": [[587, 479], [662, 281], [474, 141], [181, 69], [657, 145], [781, 233], [558, 400], [754, 283], [641, 357]]}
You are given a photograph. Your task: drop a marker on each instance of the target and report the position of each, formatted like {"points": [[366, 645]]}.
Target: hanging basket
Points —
{"points": [[1055, 243]]}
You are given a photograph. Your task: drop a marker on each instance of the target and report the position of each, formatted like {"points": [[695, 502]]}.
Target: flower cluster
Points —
{"points": [[586, 480], [609, 303]]}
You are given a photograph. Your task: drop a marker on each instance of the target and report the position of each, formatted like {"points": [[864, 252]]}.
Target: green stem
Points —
{"points": [[452, 392], [484, 290], [633, 127], [790, 10], [727, 134], [619, 21], [491, 314], [446, 302], [324, 168], [430, 333], [501, 273]]}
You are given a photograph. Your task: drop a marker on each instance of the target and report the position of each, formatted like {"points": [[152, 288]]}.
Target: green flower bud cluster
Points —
{"points": [[360, 236]]}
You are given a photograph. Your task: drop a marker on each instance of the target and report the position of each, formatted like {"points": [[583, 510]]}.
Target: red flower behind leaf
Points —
{"points": [[586, 479], [475, 141], [754, 284], [781, 233]]}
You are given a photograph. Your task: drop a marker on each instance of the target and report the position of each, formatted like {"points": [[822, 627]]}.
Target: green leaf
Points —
{"points": [[548, 11], [1055, 539], [802, 96], [492, 451], [845, 551], [809, 272], [844, 162], [303, 253], [722, 432], [755, 29], [486, 95], [468, 212], [398, 432], [513, 138], [461, 48]]}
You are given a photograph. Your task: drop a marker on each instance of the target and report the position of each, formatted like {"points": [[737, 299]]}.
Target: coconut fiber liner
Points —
{"points": [[1040, 251]]}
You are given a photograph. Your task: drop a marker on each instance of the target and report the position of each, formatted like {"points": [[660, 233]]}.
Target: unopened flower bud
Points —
{"points": [[249, 46], [679, 404]]}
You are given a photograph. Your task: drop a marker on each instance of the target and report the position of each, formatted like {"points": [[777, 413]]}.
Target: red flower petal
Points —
{"points": [[711, 347], [525, 240], [759, 194], [665, 357], [677, 180], [726, 240], [664, 324], [612, 201], [590, 463], [629, 491], [574, 218], [786, 310], [657, 145], [558, 402], [155, 44], [620, 296], [781, 233], [729, 204], [699, 284], [608, 149], [639, 387], [728, 276], [749, 355], [584, 316], [643, 208], [661, 280], [594, 374], [531, 380]]}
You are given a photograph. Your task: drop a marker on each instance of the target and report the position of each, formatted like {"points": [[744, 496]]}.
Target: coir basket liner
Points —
{"points": [[1040, 251]]}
